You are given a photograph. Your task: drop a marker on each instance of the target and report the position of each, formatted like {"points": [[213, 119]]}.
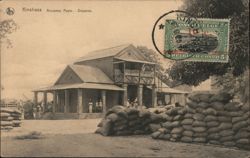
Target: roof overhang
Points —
{"points": [[81, 85], [135, 61]]}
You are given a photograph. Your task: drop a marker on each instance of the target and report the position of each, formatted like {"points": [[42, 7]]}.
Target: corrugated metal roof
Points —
{"points": [[81, 85], [91, 74], [103, 53]]}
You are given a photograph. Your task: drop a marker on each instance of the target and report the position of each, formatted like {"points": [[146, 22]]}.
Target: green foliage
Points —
{"points": [[192, 73]]}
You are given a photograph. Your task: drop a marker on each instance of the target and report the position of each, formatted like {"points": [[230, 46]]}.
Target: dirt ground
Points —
{"points": [[76, 138]]}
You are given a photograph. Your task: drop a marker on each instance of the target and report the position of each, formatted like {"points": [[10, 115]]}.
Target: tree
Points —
{"points": [[7, 27], [193, 73]]}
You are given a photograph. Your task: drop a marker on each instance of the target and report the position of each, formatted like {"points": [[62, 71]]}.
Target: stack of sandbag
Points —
{"points": [[16, 114], [10, 118], [129, 121], [6, 119], [208, 118]]}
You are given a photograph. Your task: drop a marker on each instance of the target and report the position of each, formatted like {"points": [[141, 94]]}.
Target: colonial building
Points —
{"points": [[104, 78]]}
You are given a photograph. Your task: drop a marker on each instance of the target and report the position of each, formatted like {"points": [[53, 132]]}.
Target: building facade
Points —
{"points": [[105, 78]]}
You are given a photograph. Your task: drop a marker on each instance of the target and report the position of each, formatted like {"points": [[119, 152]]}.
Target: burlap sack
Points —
{"points": [[156, 118], [203, 105], [166, 136], [177, 130], [226, 138], [217, 106], [199, 110], [4, 115], [199, 129], [154, 127], [187, 127], [164, 130], [223, 113], [213, 130], [200, 134], [221, 97], [6, 127], [200, 140], [120, 127], [188, 116], [197, 123], [212, 124], [131, 111], [113, 117], [215, 142], [225, 133], [245, 107], [245, 141], [232, 106], [167, 125], [156, 134], [6, 123], [237, 126], [134, 122], [192, 104], [116, 109], [120, 122], [133, 116], [175, 124], [190, 110], [229, 143], [105, 130], [6, 110], [213, 136], [242, 135], [238, 119], [176, 136], [224, 119], [198, 116], [209, 118], [173, 139], [138, 132], [187, 133], [224, 126], [182, 111], [186, 139], [166, 117], [144, 113], [236, 113], [210, 111], [178, 118], [187, 121]]}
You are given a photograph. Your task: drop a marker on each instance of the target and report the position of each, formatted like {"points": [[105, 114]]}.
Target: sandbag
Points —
{"points": [[166, 117], [187, 133], [187, 127], [4, 115], [175, 124], [123, 133], [205, 97], [113, 117], [131, 111], [133, 116], [232, 106], [144, 113], [229, 143], [120, 122], [192, 104], [154, 127], [164, 130], [203, 105], [199, 129], [197, 123], [209, 118], [213, 136], [221, 97], [245, 107], [6, 110], [186, 139], [116, 109], [190, 110], [182, 111], [155, 117], [237, 126], [187, 122], [199, 110], [105, 130], [199, 117], [235, 113], [238, 119], [139, 132], [210, 111], [242, 135], [100, 124], [224, 119], [214, 142], [6, 123], [177, 130], [244, 141], [212, 124], [199, 140], [213, 130], [120, 127], [224, 126], [167, 125], [188, 116], [217, 106], [225, 133], [166, 136], [155, 135], [6, 127], [176, 136], [178, 118], [226, 138], [200, 134]]}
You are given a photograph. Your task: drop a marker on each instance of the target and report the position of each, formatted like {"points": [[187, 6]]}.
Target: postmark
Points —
{"points": [[193, 39]]}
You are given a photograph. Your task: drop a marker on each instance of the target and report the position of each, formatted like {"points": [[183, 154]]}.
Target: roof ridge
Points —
{"points": [[110, 47]]}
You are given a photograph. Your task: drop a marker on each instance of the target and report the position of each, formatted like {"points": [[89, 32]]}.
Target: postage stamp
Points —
{"points": [[207, 40]]}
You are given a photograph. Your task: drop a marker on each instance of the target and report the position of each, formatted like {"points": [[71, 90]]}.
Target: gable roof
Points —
{"points": [[89, 74], [103, 53]]}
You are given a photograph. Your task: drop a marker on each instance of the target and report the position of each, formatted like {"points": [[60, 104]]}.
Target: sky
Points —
{"points": [[46, 42]]}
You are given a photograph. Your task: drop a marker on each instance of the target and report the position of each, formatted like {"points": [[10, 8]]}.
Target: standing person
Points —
{"points": [[90, 106]]}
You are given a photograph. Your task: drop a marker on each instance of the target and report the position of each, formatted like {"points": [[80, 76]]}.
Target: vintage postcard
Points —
{"points": [[126, 78]]}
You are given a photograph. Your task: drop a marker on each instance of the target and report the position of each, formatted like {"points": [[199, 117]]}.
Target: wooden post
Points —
{"points": [[154, 96], [124, 69], [54, 101], [79, 103], [45, 100], [104, 108], [125, 94], [139, 95], [66, 103]]}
